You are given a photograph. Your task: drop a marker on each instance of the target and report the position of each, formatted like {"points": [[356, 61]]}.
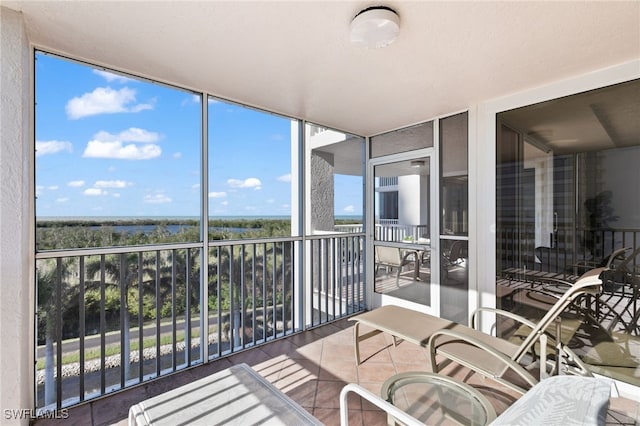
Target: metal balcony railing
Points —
{"points": [[394, 232], [387, 181], [112, 318], [570, 249], [389, 230], [336, 273]]}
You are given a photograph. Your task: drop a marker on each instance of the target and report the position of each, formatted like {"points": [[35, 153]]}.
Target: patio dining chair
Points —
{"points": [[607, 339], [453, 263], [393, 257], [618, 305], [495, 357]]}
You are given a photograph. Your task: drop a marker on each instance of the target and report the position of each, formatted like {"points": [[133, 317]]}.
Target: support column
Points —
{"points": [[322, 191]]}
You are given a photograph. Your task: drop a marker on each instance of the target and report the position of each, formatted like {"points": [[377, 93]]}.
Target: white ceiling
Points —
{"points": [[295, 57]]}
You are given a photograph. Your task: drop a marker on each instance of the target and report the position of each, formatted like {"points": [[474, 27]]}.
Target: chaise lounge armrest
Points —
{"points": [[527, 326], [479, 352], [522, 320]]}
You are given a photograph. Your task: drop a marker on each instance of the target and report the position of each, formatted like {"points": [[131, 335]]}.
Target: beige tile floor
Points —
{"points": [[311, 368]]}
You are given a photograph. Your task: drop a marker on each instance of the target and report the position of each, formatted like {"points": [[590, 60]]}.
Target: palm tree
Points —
{"points": [[228, 268], [54, 293], [124, 272], [182, 277], [246, 274], [137, 275]]}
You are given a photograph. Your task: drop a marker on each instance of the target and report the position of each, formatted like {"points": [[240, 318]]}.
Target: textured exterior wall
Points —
{"points": [[16, 291], [322, 191]]}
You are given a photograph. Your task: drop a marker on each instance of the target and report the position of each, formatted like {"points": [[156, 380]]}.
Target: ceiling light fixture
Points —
{"points": [[417, 163], [375, 27]]}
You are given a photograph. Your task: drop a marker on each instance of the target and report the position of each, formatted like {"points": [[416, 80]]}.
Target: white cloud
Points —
{"points": [[116, 195], [52, 147], [132, 134], [270, 201], [225, 203], [157, 199], [94, 192], [111, 169], [111, 184], [177, 155], [97, 149], [39, 189], [349, 209], [62, 200], [195, 186], [75, 183], [221, 194], [284, 178], [53, 188], [109, 76], [104, 100], [247, 183], [109, 145]]}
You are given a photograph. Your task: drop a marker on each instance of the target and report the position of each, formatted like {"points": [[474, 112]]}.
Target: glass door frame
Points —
{"points": [[377, 299]]}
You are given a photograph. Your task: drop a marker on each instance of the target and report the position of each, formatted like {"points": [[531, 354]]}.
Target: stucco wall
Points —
{"points": [[16, 293], [322, 195]]}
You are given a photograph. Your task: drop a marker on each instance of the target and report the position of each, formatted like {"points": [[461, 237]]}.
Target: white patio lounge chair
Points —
{"points": [[493, 357], [483, 353]]}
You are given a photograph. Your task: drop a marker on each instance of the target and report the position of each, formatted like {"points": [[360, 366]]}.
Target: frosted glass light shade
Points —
{"points": [[375, 28]]}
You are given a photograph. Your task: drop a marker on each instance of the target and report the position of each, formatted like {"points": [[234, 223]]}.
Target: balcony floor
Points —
{"points": [[311, 368]]}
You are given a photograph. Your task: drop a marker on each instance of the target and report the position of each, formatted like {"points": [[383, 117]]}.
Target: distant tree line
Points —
{"points": [[73, 234]]}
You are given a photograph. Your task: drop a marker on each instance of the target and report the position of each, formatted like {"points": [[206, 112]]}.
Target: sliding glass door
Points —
{"points": [[567, 201]]}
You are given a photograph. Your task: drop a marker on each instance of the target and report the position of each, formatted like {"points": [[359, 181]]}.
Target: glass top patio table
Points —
{"points": [[237, 395], [436, 399]]}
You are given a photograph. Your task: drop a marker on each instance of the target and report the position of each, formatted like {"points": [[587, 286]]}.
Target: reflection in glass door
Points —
{"points": [[402, 240], [454, 218]]}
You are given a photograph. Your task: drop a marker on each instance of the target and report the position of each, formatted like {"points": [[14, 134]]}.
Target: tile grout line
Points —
{"points": [[317, 385]]}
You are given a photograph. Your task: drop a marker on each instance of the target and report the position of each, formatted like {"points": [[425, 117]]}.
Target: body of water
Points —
{"points": [[174, 229], [172, 223]]}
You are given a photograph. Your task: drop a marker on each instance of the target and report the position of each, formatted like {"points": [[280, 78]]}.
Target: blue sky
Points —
{"points": [[107, 145]]}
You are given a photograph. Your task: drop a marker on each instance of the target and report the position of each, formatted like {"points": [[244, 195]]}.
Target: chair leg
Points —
{"points": [[356, 338]]}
